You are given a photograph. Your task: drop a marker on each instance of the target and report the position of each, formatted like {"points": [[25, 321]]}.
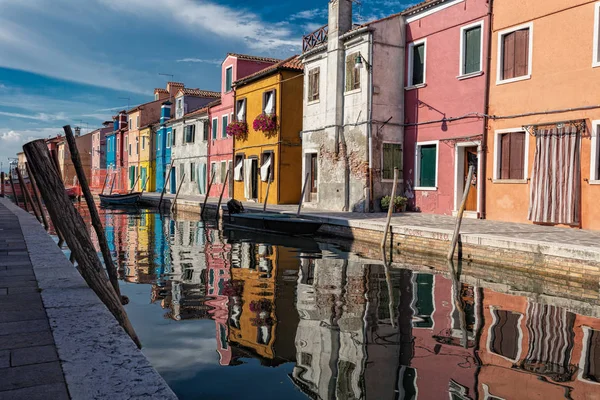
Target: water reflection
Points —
{"points": [[299, 319]]}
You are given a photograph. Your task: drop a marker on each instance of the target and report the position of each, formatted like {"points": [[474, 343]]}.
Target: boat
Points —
{"points": [[73, 191], [274, 223], [128, 199], [305, 244]]}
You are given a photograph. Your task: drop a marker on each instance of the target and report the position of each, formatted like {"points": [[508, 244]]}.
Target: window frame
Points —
{"points": [[584, 355], [352, 56], [409, 81], [596, 39], [189, 128], [500, 51], [490, 333], [461, 66], [169, 138], [230, 68], [224, 123], [192, 171], [223, 172], [237, 108], [214, 128], [418, 165], [400, 170], [497, 161], [264, 101], [595, 154], [310, 96]]}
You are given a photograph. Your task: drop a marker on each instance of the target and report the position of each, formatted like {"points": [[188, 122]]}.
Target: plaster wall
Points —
{"points": [[186, 153]]}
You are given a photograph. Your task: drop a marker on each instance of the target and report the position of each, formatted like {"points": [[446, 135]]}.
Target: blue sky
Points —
{"points": [[72, 61]]}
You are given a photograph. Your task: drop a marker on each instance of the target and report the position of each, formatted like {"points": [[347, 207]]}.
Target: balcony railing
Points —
{"points": [[314, 39]]}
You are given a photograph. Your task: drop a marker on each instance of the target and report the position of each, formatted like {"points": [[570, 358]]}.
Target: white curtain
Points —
{"points": [[248, 178], [241, 110], [265, 169], [237, 171], [201, 178], [270, 104]]}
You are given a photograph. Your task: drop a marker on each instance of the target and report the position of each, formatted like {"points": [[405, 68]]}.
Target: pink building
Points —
{"points": [[445, 95], [220, 148]]}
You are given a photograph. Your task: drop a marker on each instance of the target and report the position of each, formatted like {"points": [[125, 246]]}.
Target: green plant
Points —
{"points": [[399, 202]]}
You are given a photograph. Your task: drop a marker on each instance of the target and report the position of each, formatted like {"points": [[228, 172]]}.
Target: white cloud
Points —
{"points": [[310, 14], [37, 117], [200, 60], [10, 136]]}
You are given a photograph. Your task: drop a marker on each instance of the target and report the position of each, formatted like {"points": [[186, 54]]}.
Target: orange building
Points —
{"points": [[542, 150]]}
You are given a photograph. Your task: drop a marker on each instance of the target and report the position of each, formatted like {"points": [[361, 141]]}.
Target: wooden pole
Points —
{"points": [[212, 179], [24, 191], [390, 209], [162, 193], [458, 303], [221, 196], [27, 195], [70, 223], [95, 217], [56, 163], [36, 195], [12, 187], [303, 194], [134, 183], [2, 181], [145, 184], [388, 281], [461, 211], [113, 183], [104, 186], [267, 195], [177, 193]]}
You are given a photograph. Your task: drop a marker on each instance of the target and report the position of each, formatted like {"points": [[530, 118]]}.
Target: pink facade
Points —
{"points": [[220, 148], [437, 155]]}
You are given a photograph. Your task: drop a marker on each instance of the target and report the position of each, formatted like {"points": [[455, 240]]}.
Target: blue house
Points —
{"points": [[111, 146], [164, 141]]}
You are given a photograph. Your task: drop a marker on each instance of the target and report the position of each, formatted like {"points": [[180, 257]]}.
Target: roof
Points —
{"points": [[175, 84], [293, 64], [422, 6], [199, 93], [196, 112], [254, 58], [141, 106], [160, 90]]}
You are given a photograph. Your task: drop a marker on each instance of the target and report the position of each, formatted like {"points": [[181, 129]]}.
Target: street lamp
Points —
{"points": [[360, 62]]}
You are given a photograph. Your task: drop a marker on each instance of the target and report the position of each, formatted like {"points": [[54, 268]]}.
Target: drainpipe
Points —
{"points": [[369, 125], [484, 147]]}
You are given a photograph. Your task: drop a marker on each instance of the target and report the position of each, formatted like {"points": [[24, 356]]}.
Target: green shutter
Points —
{"points": [[424, 301], [418, 64], [392, 158], [224, 127], [214, 128], [228, 79], [427, 165], [472, 56]]}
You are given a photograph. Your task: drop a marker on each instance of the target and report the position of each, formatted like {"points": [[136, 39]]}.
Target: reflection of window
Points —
{"points": [[505, 336], [591, 356], [223, 336], [424, 302], [407, 383], [345, 384], [188, 272], [264, 334], [306, 359]]}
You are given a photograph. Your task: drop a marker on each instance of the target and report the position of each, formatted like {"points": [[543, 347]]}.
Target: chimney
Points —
{"points": [[173, 88], [340, 18], [77, 131], [123, 119], [165, 112]]}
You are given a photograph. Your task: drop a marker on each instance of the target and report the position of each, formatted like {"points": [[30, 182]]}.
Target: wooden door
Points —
{"points": [[471, 160], [254, 193], [313, 177]]}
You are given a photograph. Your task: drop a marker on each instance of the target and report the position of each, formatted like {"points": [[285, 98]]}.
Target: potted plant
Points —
{"points": [[238, 129], [400, 203], [265, 123]]}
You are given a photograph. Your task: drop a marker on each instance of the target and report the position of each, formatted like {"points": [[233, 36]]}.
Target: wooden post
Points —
{"points": [[113, 183], [71, 225], [56, 163], [212, 179], [12, 187], [36, 195], [388, 280], [134, 183], [95, 217], [390, 209], [177, 193], [221, 196], [461, 211], [145, 184], [162, 193], [303, 194], [23, 188], [2, 181], [27, 195], [105, 180], [267, 195]]}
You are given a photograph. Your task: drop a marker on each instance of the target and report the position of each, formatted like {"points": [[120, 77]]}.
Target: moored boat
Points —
{"points": [[127, 199], [274, 223]]}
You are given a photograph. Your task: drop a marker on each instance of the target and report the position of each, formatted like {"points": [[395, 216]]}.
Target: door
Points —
{"points": [[471, 160], [173, 181], [255, 179], [314, 174]]}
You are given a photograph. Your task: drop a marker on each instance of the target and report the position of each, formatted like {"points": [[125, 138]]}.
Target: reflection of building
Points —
{"points": [[537, 350]]}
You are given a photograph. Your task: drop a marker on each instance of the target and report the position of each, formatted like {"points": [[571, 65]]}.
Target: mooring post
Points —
{"points": [[23, 188], [12, 187], [145, 184], [134, 184], [177, 192], [2, 181], [390, 209], [113, 183], [27, 195], [221, 196], [162, 193], [36, 195], [105, 180], [71, 225], [212, 179], [461, 211], [302, 195], [89, 199]]}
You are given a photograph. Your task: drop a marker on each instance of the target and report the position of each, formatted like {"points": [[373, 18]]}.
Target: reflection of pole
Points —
{"points": [[458, 303], [390, 209], [461, 211], [388, 280]]}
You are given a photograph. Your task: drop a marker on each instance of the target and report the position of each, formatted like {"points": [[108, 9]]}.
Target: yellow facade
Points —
{"points": [[147, 160], [284, 144]]}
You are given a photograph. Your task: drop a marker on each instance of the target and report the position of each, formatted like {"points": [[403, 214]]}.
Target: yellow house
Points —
{"points": [[147, 160], [274, 153]]}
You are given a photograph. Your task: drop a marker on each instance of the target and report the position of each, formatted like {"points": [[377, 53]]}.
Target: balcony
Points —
{"points": [[315, 39]]}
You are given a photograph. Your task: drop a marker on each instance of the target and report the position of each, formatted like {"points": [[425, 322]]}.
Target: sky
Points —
{"points": [[77, 62]]}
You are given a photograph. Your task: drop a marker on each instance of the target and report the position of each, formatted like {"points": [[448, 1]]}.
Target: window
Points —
{"points": [[596, 50], [416, 63], [238, 172], [269, 102], [137, 121], [143, 142], [426, 165], [174, 137], [266, 168], [223, 171], [514, 53], [189, 133], [205, 130], [510, 157], [595, 153], [313, 84], [215, 123], [169, 136], [214, 172], [590, 356], [505, 335], [471, 49], [224, 126], [391, 158], [192, 172], [240, 107], [352, 73], [228, 79], [137, 145]]}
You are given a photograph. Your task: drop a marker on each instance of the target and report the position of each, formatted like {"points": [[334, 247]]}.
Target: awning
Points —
{"points": [[237, 171], [265, 169]]}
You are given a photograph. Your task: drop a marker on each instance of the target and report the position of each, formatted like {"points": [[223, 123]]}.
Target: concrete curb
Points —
{"points": [[98, 358]]}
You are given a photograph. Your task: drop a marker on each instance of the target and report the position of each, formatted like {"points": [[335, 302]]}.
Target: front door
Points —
{"points": [[313, 177], [471, 160], [173, 181], [143, 178], [254, 193]]}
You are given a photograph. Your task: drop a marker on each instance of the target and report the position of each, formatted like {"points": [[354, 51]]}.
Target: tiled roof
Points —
{"points": [[159, 90], [293, 63], [200, 93], [254, 58], [214, 103], [142, 106], [176, 84]]}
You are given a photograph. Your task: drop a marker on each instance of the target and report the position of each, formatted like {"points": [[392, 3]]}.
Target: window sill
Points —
{"points": [[429, 189], [511, 181], [351, 92], [471, 75], [310, 103], [595, 64], [419, 86], [391, 180], [511, 80], [594, 182]]}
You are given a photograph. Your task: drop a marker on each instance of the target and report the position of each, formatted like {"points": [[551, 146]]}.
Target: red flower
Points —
{"points": [[237, 128], [265, 123]]}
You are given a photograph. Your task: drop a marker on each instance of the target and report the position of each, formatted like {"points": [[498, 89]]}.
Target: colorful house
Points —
{"points": [[444, 102], [67, 168], [543, 158], [269, 157], [163, 141], [352, 131], [116, 156], [99, 155], [220, 148], [147, 159]]}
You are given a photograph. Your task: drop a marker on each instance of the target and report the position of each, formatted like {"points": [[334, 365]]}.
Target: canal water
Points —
{"points": [[231, 315]]}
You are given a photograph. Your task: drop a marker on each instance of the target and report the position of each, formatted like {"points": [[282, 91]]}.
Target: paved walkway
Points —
{"points": [[29, 365], [478, 227]]}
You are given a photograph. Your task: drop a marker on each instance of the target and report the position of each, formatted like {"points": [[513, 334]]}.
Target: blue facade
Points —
{"points": [[111, 147], [163, 150]]}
